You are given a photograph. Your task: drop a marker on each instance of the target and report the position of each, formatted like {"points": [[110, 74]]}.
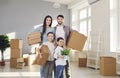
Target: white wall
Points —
{"points": [[20, 16], [100, 13]]}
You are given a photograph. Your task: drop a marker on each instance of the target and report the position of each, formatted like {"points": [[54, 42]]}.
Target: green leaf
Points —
{"points": [[65, 51]]}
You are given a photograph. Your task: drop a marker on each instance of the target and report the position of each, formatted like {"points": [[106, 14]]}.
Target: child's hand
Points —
{"points": [[40, 55], [60, 56]]}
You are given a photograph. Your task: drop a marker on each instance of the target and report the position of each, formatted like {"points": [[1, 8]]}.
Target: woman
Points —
{"points": [[44, 30]]}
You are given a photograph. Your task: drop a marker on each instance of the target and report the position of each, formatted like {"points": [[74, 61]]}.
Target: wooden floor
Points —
{"points": [[33, 72]]}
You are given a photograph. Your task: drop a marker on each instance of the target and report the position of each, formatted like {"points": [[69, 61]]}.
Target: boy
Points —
{"points": [[59, 62]]}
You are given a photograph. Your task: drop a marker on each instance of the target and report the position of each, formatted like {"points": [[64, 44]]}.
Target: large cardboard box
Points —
{"points": [[16, 43], [82, 62], [34, 38], [76, 41], [44, 50], [13, 62], [16, 53], [108, 66]]}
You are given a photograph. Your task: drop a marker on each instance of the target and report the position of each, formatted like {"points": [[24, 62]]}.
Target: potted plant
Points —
{"points": [[65, 52], [4, 43]]}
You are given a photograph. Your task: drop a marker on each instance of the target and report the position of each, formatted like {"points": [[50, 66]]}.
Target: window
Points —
{"points": [[114, 25], [85, 23], [81, 21], [85, 20]]}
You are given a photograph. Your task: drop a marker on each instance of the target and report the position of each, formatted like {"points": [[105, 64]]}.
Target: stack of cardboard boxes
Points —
{"points": [[16, 46]]}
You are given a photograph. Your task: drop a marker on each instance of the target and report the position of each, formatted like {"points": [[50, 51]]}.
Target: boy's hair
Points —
{"points": [[60, 38], [50, 33], [60, 16]]}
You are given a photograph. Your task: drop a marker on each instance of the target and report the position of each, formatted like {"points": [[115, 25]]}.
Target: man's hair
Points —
{"points": [[60, 38], [60, 16]]}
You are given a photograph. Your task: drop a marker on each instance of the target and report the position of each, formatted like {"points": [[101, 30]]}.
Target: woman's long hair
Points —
{"points": [[44, 23], [44, 26]]}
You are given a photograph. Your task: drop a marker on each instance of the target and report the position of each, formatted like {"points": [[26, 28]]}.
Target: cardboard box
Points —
{"points": [[76, 41], [20, 60], [108, 66], [16, 43], [26, 59], [82, 62], [34, 38], [13, 62], [20, 65], [16, 53], [34, 41], [44, 50]]}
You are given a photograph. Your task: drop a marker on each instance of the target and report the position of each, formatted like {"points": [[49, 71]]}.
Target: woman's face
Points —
{"points": [[48, 21]]}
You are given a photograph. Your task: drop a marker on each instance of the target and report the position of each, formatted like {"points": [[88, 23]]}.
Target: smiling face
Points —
{"points": [[50, 37], [60, 42], [60, 20], [48, 21]]}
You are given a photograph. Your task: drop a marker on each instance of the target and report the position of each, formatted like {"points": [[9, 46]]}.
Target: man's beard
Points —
{"points": [[60, 23]]}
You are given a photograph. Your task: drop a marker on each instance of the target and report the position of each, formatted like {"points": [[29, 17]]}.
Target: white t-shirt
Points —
{"points": [[51, 48], [59, 61], [60, 32]]}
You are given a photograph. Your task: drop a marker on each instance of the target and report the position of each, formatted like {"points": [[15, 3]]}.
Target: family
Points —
{"points": [[56, 39]]}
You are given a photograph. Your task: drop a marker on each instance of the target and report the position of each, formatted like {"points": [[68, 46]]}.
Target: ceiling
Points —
{"points": [[61, 1]]}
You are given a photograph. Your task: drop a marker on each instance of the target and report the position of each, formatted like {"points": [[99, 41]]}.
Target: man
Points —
{"points": [[63, 31]]}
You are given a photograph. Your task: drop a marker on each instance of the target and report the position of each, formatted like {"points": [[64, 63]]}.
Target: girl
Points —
{"points": [[49, 65]]}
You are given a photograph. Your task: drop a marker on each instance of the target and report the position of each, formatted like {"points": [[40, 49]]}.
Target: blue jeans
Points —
{"points": [[59, 71], [42, 72]]}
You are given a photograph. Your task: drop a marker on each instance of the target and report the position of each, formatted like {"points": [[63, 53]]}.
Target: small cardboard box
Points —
{"points": [[82, 62], [16, 53], [34, 38], [108, 66], [13, 62], [45, 54], [20, 65], [20, 59], [26, 59], [76, 41], [16, 43]]}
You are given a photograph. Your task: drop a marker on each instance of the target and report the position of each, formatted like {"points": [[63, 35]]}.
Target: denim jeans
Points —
{"points": [[59, 71], [42, 72]]}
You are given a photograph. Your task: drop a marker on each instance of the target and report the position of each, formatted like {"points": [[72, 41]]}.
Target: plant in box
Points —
{"points": [[4, 43], [65, 52]]}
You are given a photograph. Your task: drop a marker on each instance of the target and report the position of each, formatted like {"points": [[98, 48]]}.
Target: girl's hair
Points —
{"points": [[44, 23]]}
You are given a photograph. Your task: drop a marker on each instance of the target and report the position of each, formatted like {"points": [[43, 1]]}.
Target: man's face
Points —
{"points": [[60, 20]]}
